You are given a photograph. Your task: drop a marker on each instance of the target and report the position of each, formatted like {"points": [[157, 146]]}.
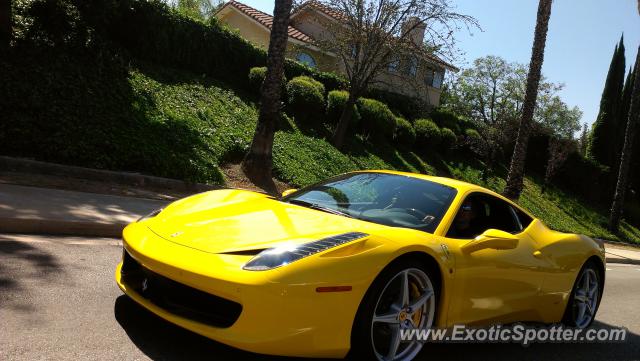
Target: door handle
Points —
{"points": [[537, 254]]}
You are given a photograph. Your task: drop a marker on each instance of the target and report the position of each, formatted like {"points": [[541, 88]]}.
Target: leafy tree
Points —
{"points": [[258, 162], [5, 23], [605, 130], [583, 140], [490, 92], [372, 34], [625, 159], [559, 149], [196, 9], [513, 187]]}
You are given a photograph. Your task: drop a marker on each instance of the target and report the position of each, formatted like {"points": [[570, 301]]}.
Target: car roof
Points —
{"points": [[459, 185]]}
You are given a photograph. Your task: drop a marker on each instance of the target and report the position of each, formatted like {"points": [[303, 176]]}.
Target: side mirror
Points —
{"points": [[491, 239], [288, 191]]}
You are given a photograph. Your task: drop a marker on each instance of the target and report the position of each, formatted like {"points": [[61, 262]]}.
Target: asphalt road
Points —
{"points": [[58, 301]]}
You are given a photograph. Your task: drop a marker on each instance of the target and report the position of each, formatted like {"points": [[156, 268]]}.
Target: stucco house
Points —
{"points": [[416, 76]]}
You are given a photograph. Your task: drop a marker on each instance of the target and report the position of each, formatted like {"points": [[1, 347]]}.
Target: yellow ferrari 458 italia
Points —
{"points": [[342, 266]]}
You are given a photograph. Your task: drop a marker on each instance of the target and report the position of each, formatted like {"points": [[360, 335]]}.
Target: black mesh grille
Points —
{"points": [[177, 298]]}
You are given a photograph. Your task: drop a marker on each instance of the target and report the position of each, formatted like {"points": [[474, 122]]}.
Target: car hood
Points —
{"points": [[226, 221]]}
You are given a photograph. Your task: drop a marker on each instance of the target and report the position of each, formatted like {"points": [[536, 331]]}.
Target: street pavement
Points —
{"points": [[58, 301]]}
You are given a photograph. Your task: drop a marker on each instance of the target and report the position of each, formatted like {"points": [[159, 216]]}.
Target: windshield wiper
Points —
{"points": [[318, 207]]}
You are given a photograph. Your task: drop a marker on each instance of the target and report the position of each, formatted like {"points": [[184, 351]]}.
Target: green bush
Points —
{"points": [[336, 101], [256, 77], [305, 98], [405, 134], [427, 133], [472, 135], [377, 118], [445, 118], [447, 138]]}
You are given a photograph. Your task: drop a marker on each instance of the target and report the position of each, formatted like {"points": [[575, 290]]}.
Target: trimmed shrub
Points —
{"points": [[427, 133], [405, 134], [256, 77], [472, 135], [447, 138], [316, 84], [305, 98], [445, 118], [377, 118], [336, 101]]}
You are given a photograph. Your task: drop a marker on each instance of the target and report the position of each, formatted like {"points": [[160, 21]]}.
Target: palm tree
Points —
{"points": [[258, 161], [516, 170], [625, 158], [5, 22]]}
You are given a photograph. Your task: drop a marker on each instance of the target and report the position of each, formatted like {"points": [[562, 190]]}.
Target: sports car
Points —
{"points": [[341, 267]]}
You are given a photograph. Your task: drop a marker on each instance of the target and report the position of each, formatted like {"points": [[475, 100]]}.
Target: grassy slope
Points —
{"points": [[225, 122]]}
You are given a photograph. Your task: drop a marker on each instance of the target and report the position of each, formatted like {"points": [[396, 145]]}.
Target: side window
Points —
{"points": [[524, 219], [480, 212]]}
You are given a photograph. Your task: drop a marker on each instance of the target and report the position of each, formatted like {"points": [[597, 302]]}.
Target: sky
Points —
{"points": [[582, 36]]}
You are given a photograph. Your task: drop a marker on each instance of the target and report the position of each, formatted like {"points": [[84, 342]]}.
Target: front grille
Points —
{"points": [[177, 298]]}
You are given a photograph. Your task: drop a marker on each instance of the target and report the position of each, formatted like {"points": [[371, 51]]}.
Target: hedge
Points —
{"points": [[336, 101], [405, 134], [305, 98], [427, 133], [377, 118], [447, 139], [445, 118]]}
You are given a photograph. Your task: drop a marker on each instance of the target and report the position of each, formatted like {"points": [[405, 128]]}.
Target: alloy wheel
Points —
{"points": [[585, 299], [406, 302]]}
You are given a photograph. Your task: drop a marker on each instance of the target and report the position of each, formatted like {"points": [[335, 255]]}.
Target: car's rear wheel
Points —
{"points": [[585, 297], [403, 297]]}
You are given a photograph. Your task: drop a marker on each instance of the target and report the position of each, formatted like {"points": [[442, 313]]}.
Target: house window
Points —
{"points": [[433, 78], [438, 77], [393, 66], [306, 59], [412, 66]]}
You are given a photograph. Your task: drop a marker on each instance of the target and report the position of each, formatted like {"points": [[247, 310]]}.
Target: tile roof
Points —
{"points": [[267, 20]]}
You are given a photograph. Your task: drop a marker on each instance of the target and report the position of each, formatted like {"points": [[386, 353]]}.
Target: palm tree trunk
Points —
{"points": [[5, 23], [625, 159], [516, 170], [258, 162]]}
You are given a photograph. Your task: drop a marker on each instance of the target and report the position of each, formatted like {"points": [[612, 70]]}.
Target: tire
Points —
{"points": [[585, 297], [375, 340]]}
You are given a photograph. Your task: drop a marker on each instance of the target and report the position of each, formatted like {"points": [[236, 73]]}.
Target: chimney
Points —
{"points": [[417, 33]]}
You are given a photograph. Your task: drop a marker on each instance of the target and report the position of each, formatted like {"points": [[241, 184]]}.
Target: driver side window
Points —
{"points": [[479, 212]]}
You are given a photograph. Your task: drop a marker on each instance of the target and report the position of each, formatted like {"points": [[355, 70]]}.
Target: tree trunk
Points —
{"points": [[5, 23], [258, 162], [625, 158], [345, 119], [516, 170]]}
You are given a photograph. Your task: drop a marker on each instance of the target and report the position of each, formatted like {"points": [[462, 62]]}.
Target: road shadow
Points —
{"points": [[20, 262], [161, 340]]}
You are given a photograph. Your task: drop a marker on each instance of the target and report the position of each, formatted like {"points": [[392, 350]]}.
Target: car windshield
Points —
{"points": [[389, 199]]}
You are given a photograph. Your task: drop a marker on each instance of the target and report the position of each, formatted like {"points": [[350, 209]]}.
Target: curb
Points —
{"points": [[124, 178], [622, 260], [61, 227]]}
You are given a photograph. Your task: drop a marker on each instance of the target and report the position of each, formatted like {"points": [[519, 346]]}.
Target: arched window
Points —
{"points": [[306, 59]]}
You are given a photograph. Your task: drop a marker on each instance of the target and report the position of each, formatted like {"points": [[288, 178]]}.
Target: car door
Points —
{"points": [[494, 284]]}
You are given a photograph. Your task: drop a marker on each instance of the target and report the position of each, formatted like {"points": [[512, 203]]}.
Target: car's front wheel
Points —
{"points": [[402, 297], [585, 297]]}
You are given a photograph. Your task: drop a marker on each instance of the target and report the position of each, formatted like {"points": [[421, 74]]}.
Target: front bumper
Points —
{"points": [[288, 319]]}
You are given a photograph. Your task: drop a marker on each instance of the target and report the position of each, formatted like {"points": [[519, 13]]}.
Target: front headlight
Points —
{"points": [[150, 215], [279, 256]]}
